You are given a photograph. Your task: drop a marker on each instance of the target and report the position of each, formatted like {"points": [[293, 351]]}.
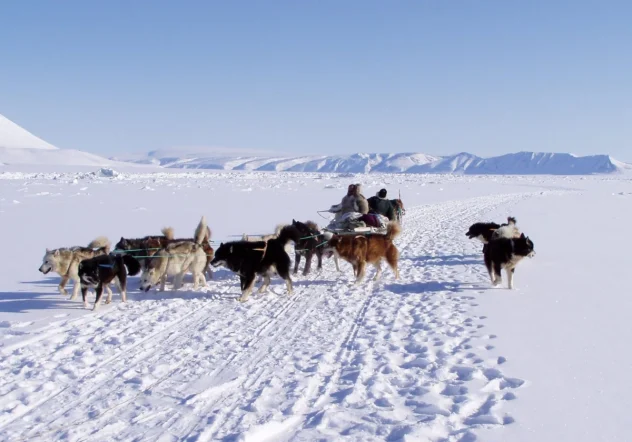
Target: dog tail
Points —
{"points": [[393, 230], [168, 233], [511, 220], [201, 231], [287, 234], [99, 243], [132, 264]]}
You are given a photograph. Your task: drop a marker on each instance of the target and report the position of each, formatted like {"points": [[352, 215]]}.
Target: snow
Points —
{"points": [[520, 163], [435, 356], [14, 137]]}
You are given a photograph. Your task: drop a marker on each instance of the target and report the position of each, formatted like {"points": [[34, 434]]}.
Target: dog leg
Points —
{"points": [[308, 262], [177, 283], [97, 302], [195, 280], [319, 256], [265, 285], [336, 262], [510, 275], [209, 273], [489, 266], [246, 287], [360, 272], [392, 258], [75, 289], [84, 295], [163, 282], [297, 261], [121, 285], [62, 285], [498, 277], [202, 279], [378, 271], [109, 290], [288, 285]]}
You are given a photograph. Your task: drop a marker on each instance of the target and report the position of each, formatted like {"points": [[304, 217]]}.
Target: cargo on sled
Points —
{"points": [[354, 223]]}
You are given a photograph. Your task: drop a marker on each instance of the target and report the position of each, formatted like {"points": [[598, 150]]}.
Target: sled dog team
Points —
{"points": [[159, 257]]}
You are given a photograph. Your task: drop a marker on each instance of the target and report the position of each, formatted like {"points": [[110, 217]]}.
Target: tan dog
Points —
{"points": [[360, 250]]}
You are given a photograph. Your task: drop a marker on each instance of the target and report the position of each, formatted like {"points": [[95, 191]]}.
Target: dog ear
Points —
{"points": [[57, 252], [293, 221], [522, 236]]}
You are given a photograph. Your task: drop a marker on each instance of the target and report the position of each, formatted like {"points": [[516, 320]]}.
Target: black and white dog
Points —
{"points": [[506, 253], [484, 232], [264, 258], [101, 270], [311, 243]]}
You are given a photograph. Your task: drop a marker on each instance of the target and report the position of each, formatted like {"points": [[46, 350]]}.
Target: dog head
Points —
{"points": [[482, 231], [222, 255], [88, 274], [123, 244], [50, 262], [307, 230], [523, 246], [149, 278]]}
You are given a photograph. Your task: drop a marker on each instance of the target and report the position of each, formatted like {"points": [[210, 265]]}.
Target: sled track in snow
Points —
{"points": [[333, 359]]}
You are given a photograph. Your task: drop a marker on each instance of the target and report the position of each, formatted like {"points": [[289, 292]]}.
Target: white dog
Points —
{"points": [[65, 262], [177, 259]]}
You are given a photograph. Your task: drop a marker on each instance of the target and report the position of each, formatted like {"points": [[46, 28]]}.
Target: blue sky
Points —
{"points": [[439, 76]]}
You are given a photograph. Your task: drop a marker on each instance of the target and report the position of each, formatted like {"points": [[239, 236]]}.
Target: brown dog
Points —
{"points": [[360, 249]]}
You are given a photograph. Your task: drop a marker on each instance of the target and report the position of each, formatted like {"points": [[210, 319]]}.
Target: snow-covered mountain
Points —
{"points": [[13, 136], [521, 163], [20, 147]]}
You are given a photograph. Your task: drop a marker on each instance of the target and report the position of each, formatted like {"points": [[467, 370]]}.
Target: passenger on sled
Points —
{"points": [[352, 214], [380, 205]]}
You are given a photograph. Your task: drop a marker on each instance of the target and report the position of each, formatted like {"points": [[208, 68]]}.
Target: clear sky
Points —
{"points": [[434, 76]]}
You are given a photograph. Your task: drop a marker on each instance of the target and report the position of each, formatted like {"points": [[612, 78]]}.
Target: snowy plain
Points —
{"points": [[436, 356]]}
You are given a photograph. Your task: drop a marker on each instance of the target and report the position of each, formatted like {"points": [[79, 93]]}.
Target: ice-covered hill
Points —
{"points": [[14, 137], [521, 163], [20, 147], [260, 161]]}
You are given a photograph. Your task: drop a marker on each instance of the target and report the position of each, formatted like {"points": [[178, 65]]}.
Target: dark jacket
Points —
{"points": [[382, 206]]}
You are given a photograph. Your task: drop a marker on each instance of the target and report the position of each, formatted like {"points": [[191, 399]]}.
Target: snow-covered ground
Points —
{"points": [[437, 355]]}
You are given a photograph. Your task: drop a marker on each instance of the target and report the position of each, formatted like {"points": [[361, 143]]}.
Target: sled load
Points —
{"points": [[355, 215], [355, 223]]}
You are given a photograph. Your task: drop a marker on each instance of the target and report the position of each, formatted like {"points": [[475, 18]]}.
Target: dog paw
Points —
{"points": [[85, 305]]}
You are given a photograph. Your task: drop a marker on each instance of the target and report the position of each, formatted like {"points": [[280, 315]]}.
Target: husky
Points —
{"points": [[176, 259], [65, 262], [508, 230], [99, 271], [141, 248], [485, 232], [256, 238], [359, 250], [506, 253], [263, 258], [312, 242]]}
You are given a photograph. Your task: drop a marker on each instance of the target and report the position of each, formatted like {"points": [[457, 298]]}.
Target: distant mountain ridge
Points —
{"points": [[20, 147], [520, 163]]}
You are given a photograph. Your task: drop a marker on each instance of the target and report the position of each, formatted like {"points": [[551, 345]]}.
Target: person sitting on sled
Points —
{"points": [[380, 205], [354, 201]]}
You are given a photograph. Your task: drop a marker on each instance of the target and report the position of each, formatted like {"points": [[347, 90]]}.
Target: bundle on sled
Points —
{"points": [[354, 223]]}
